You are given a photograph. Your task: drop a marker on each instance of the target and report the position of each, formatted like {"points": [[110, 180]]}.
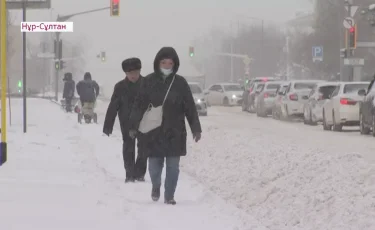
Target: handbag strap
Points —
{"points": [[166, 95]]}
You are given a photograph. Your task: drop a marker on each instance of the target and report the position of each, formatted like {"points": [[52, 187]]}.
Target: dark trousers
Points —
{"points": [[68, 104], [134, 168]]}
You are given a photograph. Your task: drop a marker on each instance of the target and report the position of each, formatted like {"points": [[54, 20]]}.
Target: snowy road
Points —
{"points": [[66, 176], [286, 175]]}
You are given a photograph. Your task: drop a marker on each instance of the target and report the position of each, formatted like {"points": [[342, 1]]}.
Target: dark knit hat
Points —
{"points": [[131, 64]]}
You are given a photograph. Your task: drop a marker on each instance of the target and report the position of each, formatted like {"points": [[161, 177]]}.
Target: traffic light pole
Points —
{"points": [[57, 70], [57, 51], [348, 41], [24, 65]]}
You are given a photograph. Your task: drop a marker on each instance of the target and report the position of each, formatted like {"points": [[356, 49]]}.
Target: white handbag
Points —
{"points": [[153, 117]]}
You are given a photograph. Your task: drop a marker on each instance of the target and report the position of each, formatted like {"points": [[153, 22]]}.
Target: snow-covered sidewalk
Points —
{"points": [[62, 175]]}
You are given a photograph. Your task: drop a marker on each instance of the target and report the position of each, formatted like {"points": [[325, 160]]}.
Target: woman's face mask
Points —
{"points": [[166, 72]]}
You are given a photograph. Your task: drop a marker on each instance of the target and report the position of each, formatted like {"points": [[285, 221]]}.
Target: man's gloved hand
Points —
{"points": [[133, 134], [197, 136], [107, 132]]}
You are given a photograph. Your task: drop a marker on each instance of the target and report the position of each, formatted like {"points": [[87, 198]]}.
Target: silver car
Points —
{"points": [[313, 108], [265, 101], [200, 102]]}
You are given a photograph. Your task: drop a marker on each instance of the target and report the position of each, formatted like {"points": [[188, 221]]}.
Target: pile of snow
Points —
{"points": [[288, 176]]}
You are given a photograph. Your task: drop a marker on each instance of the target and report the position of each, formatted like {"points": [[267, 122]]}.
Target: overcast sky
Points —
{"points": [[144, 26]]}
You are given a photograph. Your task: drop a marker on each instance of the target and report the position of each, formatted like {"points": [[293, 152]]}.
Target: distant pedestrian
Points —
{"points": [[88, 91], [166, 142], [69, 90], [121, 104]]}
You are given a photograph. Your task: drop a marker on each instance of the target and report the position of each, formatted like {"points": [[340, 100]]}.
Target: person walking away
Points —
{"points": [[167, 142], [122, 101], [69, 90], [88, 91]]}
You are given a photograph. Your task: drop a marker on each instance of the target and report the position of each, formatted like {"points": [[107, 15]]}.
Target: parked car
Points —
{"points": [[200, 102], [266, 98], [227, 94], [366, 111], [251, 99], [313, 108], [249, 87], [280, 93], [296, 95], [342, 108]]}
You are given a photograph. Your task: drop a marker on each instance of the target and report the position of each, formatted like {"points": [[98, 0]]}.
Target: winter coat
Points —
{"points": [[69, 88], [88, 90], [170, 138], [122, 101]]}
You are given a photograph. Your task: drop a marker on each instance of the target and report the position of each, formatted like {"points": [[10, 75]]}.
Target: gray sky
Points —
{"points": [[144, 26]]}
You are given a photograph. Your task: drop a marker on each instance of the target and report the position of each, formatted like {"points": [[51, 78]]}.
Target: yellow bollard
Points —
{"points": [[3, 49]]}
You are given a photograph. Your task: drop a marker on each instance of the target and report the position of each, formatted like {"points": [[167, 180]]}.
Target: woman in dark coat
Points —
{"points": [[168, 142]]}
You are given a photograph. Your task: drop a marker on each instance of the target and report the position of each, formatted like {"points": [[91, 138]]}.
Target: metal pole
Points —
{"points": [[287, 59], [231, 62], [24, 69], [57, 58], [350, 51], [3, 50], [262, 46]]}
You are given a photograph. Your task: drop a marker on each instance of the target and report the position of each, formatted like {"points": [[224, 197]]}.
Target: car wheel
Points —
{"points": [[204, 114], [226, 101], [362, 127], [325, 125], [336, 127]]}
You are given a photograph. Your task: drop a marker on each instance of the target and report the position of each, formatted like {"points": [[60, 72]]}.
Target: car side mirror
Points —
{"points": [[206, 93], [221, 91], [362, 92]]}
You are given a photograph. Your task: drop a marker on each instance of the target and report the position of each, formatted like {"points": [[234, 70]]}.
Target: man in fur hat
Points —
{"points": [[122, 101]]}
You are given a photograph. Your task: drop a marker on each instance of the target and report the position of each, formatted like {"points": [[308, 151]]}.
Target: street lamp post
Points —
{"points": [[262, 34]]}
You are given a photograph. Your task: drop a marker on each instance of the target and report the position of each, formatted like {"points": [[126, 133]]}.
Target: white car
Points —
{"points": [[313, 108], [342, 108], [200, 102], [296, 95], [227, 94]]}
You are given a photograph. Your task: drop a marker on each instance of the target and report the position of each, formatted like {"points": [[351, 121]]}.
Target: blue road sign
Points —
{"points": [[317, 53]]}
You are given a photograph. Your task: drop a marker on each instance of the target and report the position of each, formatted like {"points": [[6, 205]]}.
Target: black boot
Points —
{"points": [[155, 194], [129, 179], [170, 201], [140, 179]]}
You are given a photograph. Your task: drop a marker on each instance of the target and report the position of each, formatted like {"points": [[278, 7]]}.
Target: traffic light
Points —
{"points": [[191, 51], [59, 64], [102, 56], [353, 37], [115, 7], [62, 64], [19, 86]]}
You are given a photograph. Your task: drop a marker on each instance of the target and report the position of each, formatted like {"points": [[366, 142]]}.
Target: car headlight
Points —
{"points": [[200, 100], [234, 96]]}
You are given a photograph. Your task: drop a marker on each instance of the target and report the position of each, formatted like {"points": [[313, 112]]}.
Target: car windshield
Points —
{"points": [[273, 86], [232, 88], [195, 89], [353, 88], [304, 85]]}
